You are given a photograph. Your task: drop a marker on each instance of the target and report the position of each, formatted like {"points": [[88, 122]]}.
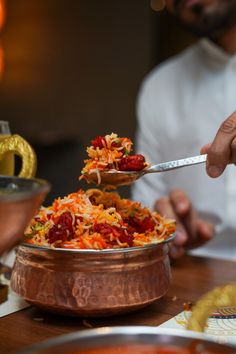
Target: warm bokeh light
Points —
{"points": [[2, 21], [1, 61], [2, 13], [157, 5]]}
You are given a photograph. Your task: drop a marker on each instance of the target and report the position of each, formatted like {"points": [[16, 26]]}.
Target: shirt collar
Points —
{"points": [[215, 53]]}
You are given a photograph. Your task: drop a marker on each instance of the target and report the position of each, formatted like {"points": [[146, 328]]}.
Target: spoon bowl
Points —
{"points": [[123, 178], [114, 177]]}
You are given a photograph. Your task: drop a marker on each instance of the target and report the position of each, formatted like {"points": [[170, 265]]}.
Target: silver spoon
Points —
{"points": [[121, 178]]}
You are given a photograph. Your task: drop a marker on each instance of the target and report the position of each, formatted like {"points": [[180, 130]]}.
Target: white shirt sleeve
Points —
{"points": [[148, 143]]}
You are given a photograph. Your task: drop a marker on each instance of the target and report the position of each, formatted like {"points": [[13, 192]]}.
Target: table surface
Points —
{"points": [[191, 278]]}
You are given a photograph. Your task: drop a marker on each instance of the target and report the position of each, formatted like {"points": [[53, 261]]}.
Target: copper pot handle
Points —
{"points": [[19, 146], [224, 296]]}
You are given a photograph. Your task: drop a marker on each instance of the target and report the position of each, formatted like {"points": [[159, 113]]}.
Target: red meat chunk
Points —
{"points": [[66, 220], [99, 142], [106, 229], [141, 226], [57, 233], [128, 238], [132, 163]]}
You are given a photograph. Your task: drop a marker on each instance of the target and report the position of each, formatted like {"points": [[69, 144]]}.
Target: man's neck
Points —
{"points": [[227, 41]]}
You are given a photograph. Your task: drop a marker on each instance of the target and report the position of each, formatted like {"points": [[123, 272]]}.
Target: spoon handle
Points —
{"points": [[171, 165]]}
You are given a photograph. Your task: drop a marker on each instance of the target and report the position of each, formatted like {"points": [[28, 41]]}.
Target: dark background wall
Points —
{"points": [[72, 69]]}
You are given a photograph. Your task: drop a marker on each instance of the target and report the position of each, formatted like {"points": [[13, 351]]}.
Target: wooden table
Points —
{"points": [[192, 277]]}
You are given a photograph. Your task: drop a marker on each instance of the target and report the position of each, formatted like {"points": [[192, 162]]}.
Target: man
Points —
{"points": [[181, 104]]}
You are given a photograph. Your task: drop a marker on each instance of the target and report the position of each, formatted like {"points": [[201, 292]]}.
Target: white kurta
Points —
{"points": [[180, 107]]}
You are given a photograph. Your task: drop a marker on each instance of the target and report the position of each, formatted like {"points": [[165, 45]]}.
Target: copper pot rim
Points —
{"points": [[36, 186], [117, 335], [96, 252]]}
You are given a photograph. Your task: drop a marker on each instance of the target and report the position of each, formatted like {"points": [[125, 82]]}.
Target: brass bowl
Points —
{"points": [[103, 339], [91, 282], [19, 200]]}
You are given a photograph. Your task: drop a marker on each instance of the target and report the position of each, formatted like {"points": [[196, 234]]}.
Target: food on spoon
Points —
{"points": [[111, 152], [97, 220]]}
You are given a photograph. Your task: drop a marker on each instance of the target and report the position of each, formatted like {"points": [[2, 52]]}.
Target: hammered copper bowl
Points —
{"points": [[91, 282], [133, 340], [19, 200]]}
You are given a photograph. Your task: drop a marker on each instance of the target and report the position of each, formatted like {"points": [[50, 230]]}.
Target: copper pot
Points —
{"points": [[91, 282]]}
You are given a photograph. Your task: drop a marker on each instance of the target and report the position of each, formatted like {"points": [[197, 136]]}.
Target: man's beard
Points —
{"points": [[209, 24]]}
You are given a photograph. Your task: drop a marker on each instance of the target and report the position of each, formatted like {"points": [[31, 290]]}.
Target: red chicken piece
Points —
{"points": [[106, 229], [57, 233], [141, 226], [66, 220], [99, 142], [132, 163]]}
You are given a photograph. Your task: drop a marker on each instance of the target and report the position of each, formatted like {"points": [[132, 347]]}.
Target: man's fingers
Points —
{"points": [[233, 151], [205, 229], [205, 232], [219, 153], [176, 252], [165, 208], [180, 202], [205, 149]]}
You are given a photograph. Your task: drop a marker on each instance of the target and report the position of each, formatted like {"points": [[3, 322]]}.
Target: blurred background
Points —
{"points": [[70, 70]]}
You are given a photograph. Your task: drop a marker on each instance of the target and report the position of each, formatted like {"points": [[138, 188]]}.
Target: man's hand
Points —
{"points": [[223, 149], [191, 231]]}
